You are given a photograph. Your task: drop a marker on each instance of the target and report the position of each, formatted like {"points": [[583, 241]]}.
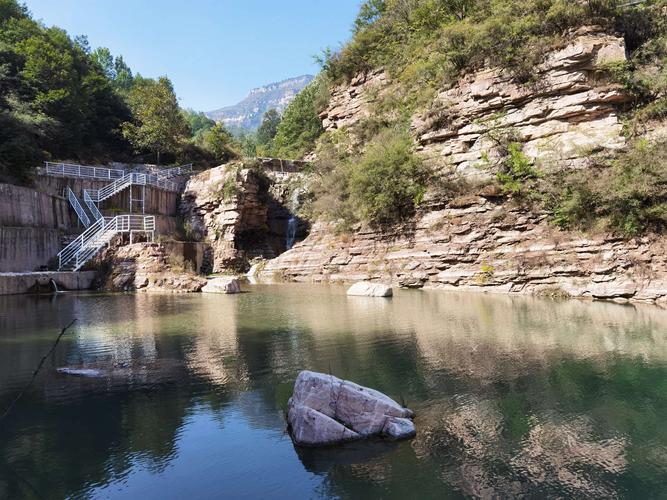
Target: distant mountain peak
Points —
{"points": [[248, 113]]}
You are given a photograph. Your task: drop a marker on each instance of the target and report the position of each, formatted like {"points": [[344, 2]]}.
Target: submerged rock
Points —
{"points": [[222, 285], [82, 372], [325, 410], [367, 289]]}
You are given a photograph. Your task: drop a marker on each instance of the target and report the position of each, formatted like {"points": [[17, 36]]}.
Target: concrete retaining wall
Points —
{"points": [[27, 248], [26, 207], [15, 283]]}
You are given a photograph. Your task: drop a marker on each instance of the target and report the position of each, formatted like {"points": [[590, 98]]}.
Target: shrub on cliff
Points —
{"points": [[628, 194], [388, 182], [382, 185], [394, 34]]}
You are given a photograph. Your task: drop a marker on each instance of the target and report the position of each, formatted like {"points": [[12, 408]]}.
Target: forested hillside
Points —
{"points": [[60, 99], [370, 171]]}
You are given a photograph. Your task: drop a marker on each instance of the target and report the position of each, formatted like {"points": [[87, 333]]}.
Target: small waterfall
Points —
{"points": [[54, 285], [292, 223]]}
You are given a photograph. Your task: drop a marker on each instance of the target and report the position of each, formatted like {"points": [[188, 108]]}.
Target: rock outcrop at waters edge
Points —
{"points": [[482, 245], [241, 210], [326, 410], [148, 267], [483, 241]]}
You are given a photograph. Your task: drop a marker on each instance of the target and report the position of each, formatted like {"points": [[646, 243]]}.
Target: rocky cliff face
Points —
{"points": [[484, 242], [480, 244], [168, 266], [241, 211], [568, 112], [248, 113]]}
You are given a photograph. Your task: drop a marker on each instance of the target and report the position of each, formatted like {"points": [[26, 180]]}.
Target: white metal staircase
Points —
{"points": [[76, 205], [100, 230], [99, 234]]}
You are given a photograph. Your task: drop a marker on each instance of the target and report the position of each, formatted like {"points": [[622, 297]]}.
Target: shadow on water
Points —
{"points": [[513, 396]]}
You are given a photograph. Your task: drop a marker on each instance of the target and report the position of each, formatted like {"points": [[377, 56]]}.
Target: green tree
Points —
{"points": [[248, 144], [158, 125], [268, 129], [123, 75], [300, 125], [103, 58], [198, 122], [220, 143]]}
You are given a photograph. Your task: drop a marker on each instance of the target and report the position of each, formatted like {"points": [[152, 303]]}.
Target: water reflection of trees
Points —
{"points": [[513, 395]]}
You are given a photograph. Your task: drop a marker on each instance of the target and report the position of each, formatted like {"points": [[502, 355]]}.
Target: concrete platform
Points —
{"points": [[33, 282]]}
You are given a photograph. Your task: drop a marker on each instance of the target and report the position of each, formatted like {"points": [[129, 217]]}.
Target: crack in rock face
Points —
{"points": [[325, 410]]}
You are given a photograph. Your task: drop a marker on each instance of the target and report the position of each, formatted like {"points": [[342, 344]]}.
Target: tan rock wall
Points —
{"points": [[249, 224], [477, 243], [568, 112], [484, 246]]}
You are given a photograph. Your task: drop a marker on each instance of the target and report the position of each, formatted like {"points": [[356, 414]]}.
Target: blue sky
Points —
{"points": [[213, 51]]}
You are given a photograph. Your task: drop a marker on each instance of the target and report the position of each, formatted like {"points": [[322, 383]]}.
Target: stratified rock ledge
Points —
{"points": [[325, 410]]}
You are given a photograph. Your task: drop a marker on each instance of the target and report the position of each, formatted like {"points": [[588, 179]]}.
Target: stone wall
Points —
{"points": [[31, 224], [18, 283], [26, 207]]}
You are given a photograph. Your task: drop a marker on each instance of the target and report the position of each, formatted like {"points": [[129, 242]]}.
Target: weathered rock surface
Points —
{"points": [[568, 113], [226, 285], [488, 246], [325, 410], [147, 267], [481, 241], [241, 212], [368, 289]]}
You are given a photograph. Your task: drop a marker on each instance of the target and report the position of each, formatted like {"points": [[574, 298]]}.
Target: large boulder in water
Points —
{"points": [[222, 285], [325, 410], [368, 289]]}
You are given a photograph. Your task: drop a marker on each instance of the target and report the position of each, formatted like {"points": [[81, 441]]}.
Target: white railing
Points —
{"points": [[79, 251], [72, 170], [98, 195], [175, 171], [157, 180], [76, 205], [91, 205]]}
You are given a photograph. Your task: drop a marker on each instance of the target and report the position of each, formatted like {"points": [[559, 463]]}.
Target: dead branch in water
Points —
{"points": [[34, 374]]}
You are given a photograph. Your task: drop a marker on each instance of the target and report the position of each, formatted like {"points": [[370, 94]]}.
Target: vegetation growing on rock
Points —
{"points": [[424, 47]]}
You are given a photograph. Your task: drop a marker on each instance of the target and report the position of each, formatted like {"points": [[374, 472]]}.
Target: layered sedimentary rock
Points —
{"points": [[149, 267], [241, 212], [484, 241], [481, 244], [567, 111]]}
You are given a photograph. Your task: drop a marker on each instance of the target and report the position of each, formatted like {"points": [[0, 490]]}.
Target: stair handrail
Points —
{"points": [[91, 205], [66, 254], [99, 234], [76, 204], [175, 171], [130, 179], [74, 170]]}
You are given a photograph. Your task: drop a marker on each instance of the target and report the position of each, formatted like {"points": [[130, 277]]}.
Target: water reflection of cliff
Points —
{"points": [[513, 395]]}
